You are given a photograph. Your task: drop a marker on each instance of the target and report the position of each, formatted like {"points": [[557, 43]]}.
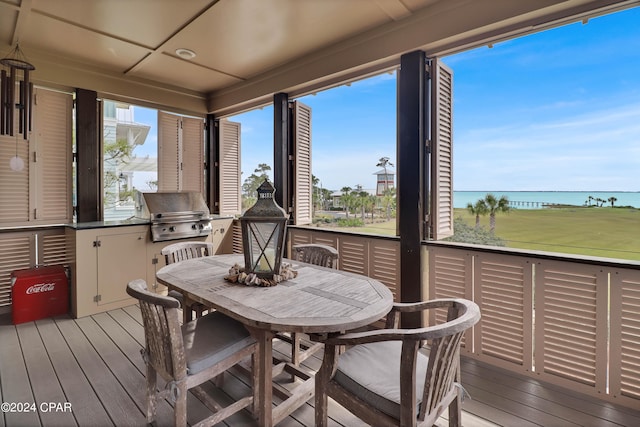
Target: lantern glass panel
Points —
{"points": [[263, 246]]}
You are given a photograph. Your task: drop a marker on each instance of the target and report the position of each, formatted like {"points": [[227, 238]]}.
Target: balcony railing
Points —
{"points": [[567, 320]]}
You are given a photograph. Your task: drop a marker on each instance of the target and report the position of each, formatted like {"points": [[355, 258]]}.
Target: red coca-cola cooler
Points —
{"points": [[39, 292]]}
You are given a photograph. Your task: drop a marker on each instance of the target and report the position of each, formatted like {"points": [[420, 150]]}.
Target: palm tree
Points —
{"points": [[388, 199], [478, 209], [495, 205], [360, 200], [371, 204], [612, 200], [347, 199]]}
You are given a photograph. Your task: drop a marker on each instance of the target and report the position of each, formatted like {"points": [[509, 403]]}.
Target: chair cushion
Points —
{"points": [[177, 295], [372, 373], [212, 338]]}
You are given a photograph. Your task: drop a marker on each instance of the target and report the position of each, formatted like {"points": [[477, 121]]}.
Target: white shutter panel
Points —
{"points": [[303, 188], [52, 133], [193, 154], [14, 185], [442, 151], [230, 200], [168, 152]]}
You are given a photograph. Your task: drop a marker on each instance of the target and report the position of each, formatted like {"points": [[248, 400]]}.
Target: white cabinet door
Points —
{"points": [[121, 258]]}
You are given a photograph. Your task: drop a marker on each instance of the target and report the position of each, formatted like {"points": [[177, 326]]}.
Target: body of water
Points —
{"points": [[540, 199]]}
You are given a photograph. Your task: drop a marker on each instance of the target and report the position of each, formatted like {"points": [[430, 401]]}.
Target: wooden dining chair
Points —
{"points": [[189, 355], [386, 380], [315, 254], [181, 251]]}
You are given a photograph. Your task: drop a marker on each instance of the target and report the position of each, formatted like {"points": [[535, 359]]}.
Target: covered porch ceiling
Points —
{"points": [[247, 50]]}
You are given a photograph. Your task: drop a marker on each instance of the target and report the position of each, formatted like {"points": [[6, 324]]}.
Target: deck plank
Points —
{"points": [[126, 325], [509, 397], [95, 363], [244, 383], [338, 415], [15, 379], [134, 312], [565, 404], [44, 381], [196, 410], [104, 334], [87, 408], [118, 404]]}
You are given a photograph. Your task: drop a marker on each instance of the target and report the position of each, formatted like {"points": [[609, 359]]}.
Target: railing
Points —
{"points": [[374, 256], [568, 320]]}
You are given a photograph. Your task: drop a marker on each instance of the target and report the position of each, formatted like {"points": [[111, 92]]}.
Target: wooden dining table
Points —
{"points": [[318, 301]]}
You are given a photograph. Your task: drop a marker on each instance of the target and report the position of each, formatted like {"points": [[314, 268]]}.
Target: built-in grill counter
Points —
{"points": [[111, 253], [175, 215]]}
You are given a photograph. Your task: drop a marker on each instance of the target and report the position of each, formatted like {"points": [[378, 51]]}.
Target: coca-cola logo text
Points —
{"points": [[40, 287]]}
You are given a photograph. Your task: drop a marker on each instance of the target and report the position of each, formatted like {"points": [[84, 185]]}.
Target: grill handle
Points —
{"points": [[171, 215]]}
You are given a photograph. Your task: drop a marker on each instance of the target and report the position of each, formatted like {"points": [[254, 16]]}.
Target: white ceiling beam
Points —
{"points": [[394, 9], [437, 29]]}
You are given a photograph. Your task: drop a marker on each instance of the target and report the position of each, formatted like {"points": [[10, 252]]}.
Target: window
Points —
{"points": [[130, 160], [255, 153], [562, 151], [344, 138], [349, 130], [145, 150], [258, 157]]}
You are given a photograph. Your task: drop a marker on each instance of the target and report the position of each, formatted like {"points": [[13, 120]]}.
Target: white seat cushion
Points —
{"points": [[212, 338], [372, 372]]}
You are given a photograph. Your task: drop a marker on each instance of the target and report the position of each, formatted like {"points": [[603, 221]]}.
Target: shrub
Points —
{"points": [[351, 222], [465, 233]]}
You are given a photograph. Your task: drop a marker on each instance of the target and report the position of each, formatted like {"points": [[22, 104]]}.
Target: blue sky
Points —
{"points": [[559, 110], [556, 110]]}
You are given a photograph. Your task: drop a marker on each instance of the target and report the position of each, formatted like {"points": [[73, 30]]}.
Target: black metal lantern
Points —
{"points": [[263, 228]]}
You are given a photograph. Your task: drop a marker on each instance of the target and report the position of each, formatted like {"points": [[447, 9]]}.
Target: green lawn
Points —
{"points": [[603, 232], [387, 228]]}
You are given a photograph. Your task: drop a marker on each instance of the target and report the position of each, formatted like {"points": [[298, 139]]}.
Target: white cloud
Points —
{"points": [[595, 151]]}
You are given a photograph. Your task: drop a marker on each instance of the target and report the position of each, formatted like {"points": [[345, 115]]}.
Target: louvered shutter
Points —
{"points": [[52, 134], [16, 253], [192, 154], [168, 152], [441, 151], [230, 200], [14, 185], [303, 188]]}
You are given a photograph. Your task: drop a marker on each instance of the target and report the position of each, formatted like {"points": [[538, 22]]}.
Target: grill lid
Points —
{"points": [[172, 204]]}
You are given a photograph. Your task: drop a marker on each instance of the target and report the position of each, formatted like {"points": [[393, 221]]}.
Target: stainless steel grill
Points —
{"points": [[175, 215]]}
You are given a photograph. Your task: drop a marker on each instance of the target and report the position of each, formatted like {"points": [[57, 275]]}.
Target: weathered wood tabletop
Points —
{"points": [[318, 300]]}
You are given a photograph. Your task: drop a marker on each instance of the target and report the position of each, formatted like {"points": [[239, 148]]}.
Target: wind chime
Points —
{"points": [[13, 64]]}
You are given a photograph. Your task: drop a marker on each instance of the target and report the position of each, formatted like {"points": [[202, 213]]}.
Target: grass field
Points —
{"points": [[603, 232]]}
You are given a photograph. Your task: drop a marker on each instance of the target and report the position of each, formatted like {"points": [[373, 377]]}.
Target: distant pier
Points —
{"points": [[531, 205]]}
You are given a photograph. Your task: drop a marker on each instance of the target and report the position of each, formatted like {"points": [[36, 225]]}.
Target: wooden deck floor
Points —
{"points": [[89, 372]]}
